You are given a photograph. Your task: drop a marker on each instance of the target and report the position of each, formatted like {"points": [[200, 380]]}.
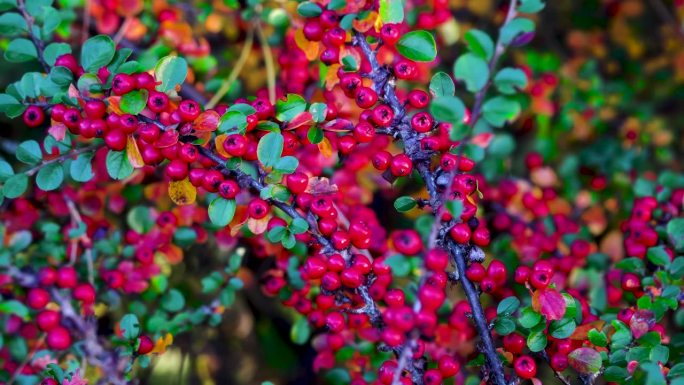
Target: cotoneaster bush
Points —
{"points": [[429, 205]]}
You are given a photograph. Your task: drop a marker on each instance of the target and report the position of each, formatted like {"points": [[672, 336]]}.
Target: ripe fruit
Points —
{"points": [[257, 208], [401, 165], [37, 298], [58, 338], [146, 345], [525, 367], [33, 116], [48, 320]]}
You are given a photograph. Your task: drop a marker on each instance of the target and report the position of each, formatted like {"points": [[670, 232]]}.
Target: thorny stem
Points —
{"points": [[237, 68], [21, 5]]}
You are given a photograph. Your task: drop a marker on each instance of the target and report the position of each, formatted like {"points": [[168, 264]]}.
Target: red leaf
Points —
{"points": [[167, 139], [642, 321], [207, 121], [585, 360], [550, 303]]}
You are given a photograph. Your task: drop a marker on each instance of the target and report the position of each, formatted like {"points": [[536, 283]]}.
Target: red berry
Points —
{"points": [[177, 169], [146, 345], [66, 277], [33, 116], [58, 338], [116, 139], [460, 233], [525, 367], [189, 110], [85, 293], [37, 298], [123, 84], [401, 165], [257, 208], [48, 320]]}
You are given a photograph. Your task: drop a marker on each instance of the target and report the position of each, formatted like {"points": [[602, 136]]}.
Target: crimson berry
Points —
{"points": [[335, 36], [514, 343], [395, 298], [340, 240], [540, 279], [177, 169], [47, 276], [313, 31], [68, 61], [522, 274], [390, 33], [392, 337], [422, 122], [559, 362], [407, 242], [85, 293], [188, 153], [630, 282], [58, 338], [189, 110], [228, 189], [235, 145], [436, 260], [476, 272], [352, 278], [351, 83], [57, 112], [331, 281], [460, 233], [431, 298], [366, 97], [497, 271], [144, 80], [157, 101], [123, 84], [315, 267], [448, 366], [382, 160], [49, 381], [33, 116], [48, 320], [66, 277], [363, 132], [95, 109], [401, 165], [297, 182], [116, 139], [432, 377], [335, 322], [481, 236], [257, 208], [382, 115], [525, 367], [37, 298], [418, 99], [330, 55], [404, 69], [146, 345]]}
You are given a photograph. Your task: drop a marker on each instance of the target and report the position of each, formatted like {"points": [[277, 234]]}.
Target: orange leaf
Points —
{"points": [[182, 192], [325, 148], [173, 253], [366, 23], [258, 226], [207, 121], [550, 303], [218, 143], [162, 343], [133, 153], [113, 105], [310, 48], [582, 331], [331, 78]]}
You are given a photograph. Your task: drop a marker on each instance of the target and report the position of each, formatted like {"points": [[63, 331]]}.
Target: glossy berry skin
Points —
{"points": [[525, 367], [401, 165], [366, 97], [460, 233], [177, 169], [235, 145], [418, 99], [58, 338], [123, 84], [33, 116], [257, 208], [85, 293], [37, 298], [48, 320], [228, 189], [146, 345], [514, 343], [116, 140], [390, 33], [189, 110], [66, 277]]}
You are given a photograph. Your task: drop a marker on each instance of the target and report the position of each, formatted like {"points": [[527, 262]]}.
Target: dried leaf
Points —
{"points": [[182, 192]]}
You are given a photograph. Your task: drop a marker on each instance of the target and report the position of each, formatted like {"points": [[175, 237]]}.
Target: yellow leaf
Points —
{"points": [[133, 153], [310, 48], [366, 23], [325, 148], [162, 343], [182, 192]]}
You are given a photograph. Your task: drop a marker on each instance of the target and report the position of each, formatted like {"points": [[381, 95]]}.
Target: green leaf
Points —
{"points": [[29, 152], [288, 109], [658, 256], [50, 177], [286, 165], [455, 207], [529, 318], [299, 226], [675, 231], [309, 9], [14, 307], [270, 148], [97, 52], [173, 301], [6, 171], [55, 50], [81, 169], [301, 331], [391, 11], [118, 165], [276, 234], [448, 109], [504, 325], [20, 50], [12, 24], [61, 76], [597, 338], [134, 102], [515, 28], [139, 219], [615, 374], [221, 211], [404, 203], [233, 122], [585, 360], [530, 6], [51, 19], [502, 145], [417, 46], [536, 341], [562, 328], [508, 306], [318, 111], [480, 43], [315, 135], [400, 265], [130, 326], [171, 72], [510, 80], [472, 70], [15, 186], [10, 106], [500, 110], [442, 85]]}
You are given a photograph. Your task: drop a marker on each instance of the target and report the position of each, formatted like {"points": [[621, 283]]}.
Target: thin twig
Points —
{"points": [[122, 30], [21, 5], [269, 62], [237, 68]]}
